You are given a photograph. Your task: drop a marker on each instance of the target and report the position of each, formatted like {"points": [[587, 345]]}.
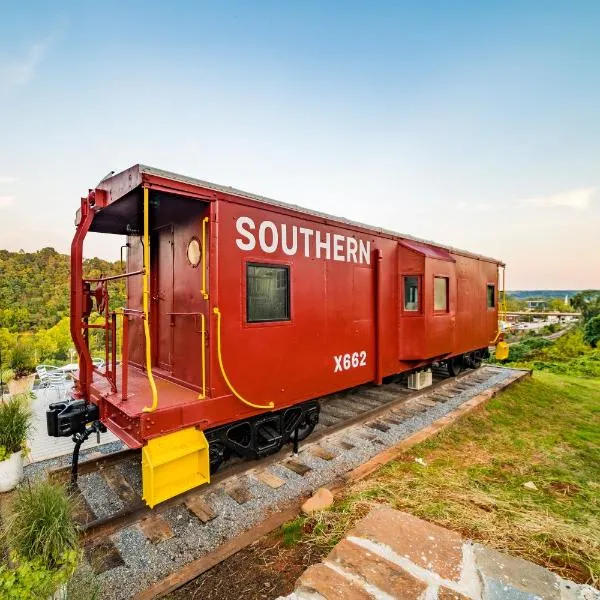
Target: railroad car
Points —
{"points": [[243, 311]]}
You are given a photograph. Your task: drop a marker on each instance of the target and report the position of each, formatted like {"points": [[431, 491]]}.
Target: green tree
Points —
{"points": [[588, 303], [591, 331]]}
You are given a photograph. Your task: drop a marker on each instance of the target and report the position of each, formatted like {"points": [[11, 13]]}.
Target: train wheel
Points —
{"points": [[216, 453], [307, 425], [455, 365]]}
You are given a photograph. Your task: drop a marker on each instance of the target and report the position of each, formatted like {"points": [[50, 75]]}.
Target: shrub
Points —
{"points": [[41, 526], [591, 331], [7, 376], [32, 580], [21, 359], [15, 423]]}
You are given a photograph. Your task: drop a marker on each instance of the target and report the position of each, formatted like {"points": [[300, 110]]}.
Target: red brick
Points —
{"points": [[331, 585], [445, 593], [377, 571], [425, 544]]}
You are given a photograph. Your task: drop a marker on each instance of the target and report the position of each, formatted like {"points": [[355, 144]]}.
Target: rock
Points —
{"points": [[530, 485], [320, 500]]}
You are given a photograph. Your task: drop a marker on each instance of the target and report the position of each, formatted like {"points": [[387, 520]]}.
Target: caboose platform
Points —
{"points": [[178, 406]]}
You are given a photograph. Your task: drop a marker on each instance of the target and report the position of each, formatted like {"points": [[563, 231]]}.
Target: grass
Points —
{"points": [[41, 525], [15, 423], [545, 430]]}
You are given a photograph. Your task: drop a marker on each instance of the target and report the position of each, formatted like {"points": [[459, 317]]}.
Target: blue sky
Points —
{"points": [[470, 123]]}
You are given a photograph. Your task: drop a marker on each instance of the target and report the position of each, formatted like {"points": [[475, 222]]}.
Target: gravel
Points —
{"points": [[146, 563]]}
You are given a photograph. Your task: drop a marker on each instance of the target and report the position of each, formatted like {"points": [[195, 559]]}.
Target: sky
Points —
{"points": [[474, 124]]}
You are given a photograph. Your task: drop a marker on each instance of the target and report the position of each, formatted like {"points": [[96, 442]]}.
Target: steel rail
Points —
{"points": [[104, 526]]}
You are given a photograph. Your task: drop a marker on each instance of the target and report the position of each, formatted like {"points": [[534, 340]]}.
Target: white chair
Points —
{"points": [[43, 374], [60, 382], [98, 363]]}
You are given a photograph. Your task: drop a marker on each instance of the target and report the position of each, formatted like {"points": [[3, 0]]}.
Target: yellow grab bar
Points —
{"points": [[146, 294], [202, 395], [220, 357], [204, 291]]}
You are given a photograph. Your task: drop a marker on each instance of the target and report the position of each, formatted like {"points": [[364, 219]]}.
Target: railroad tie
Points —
{"points": [[200, 507], [379, 425], [297, 467], [239, 491], [119, 485], [322, 453], [270, 479], [102, 555], [345, 445], [155, 528]]}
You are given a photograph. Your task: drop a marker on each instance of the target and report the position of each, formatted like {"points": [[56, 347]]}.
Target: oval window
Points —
{"points": [[194, 253]]}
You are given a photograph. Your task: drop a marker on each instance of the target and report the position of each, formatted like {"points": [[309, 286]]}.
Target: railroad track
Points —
{"points": [[372, 413]]}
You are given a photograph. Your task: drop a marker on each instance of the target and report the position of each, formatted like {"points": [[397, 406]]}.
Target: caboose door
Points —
{"points": [[163, 298]]}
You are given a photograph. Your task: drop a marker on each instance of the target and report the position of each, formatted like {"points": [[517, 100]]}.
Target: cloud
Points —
{"points": [[7, 179], [6, 201], [20, 71], [578, 199]]}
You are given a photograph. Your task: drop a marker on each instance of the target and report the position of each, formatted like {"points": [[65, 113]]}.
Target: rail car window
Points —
{"points": [[267, 293], [440, 294], [491, 296], [411, 293]]}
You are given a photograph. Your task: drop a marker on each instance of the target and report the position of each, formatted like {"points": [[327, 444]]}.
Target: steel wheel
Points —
{"points": [[455, 365]]}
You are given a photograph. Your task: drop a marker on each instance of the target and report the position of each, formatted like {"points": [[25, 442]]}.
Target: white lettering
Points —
{"points": [[306, 233], [323, 245], [268, 248], [338, 363], [289, 250], [351, 248], [364, 252], [345, 362], [284, 238], [251, 241], [338, 246]]}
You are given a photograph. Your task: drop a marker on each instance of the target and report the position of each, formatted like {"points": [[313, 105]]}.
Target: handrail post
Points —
{"points": [[146, 304], [124, 357], [113, 335]]}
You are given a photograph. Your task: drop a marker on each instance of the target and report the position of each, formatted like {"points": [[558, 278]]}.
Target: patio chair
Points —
{"points": [[43, 374], [60, 382], [98, 362]]}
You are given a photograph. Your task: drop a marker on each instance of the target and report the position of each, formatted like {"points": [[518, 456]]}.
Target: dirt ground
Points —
{"points": [[262, 571]]}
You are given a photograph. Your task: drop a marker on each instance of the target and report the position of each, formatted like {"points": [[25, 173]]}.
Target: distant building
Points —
{"points": [[537, 304]]}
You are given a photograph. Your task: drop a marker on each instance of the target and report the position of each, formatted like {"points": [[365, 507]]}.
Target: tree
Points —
{"points": [[591, 331], [588, 303]]}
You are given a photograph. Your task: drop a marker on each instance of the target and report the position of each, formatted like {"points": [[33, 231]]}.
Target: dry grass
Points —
{"points": [[547, 431]]}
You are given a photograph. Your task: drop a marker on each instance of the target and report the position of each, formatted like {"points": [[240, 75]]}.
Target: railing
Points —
{"points": [[109, 326]]}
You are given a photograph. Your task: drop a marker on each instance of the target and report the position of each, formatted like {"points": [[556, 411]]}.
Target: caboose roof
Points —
{"points": [[144, 170]]}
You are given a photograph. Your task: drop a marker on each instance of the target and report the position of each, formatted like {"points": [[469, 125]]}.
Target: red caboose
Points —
{"points": [[243, 311]]}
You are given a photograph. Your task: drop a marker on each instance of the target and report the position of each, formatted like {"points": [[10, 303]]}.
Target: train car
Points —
{"points": [[243, 311]]}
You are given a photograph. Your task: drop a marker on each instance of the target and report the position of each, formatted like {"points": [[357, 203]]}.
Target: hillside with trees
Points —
{"points": [[34, 305]]}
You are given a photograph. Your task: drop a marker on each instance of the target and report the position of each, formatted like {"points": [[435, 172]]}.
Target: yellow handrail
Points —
{"points": [[146, 294], [220, 356], [202, 395], [204, 291]]}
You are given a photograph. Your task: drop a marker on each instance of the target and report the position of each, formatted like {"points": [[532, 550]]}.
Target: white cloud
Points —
{"points": [[20, 71], [6, 201], [578, 199], [7, 179]]}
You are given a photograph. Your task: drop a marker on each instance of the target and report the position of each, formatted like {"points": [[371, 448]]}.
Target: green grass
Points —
{"points": [[545, 430], [40, 525], [15, 424]]}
